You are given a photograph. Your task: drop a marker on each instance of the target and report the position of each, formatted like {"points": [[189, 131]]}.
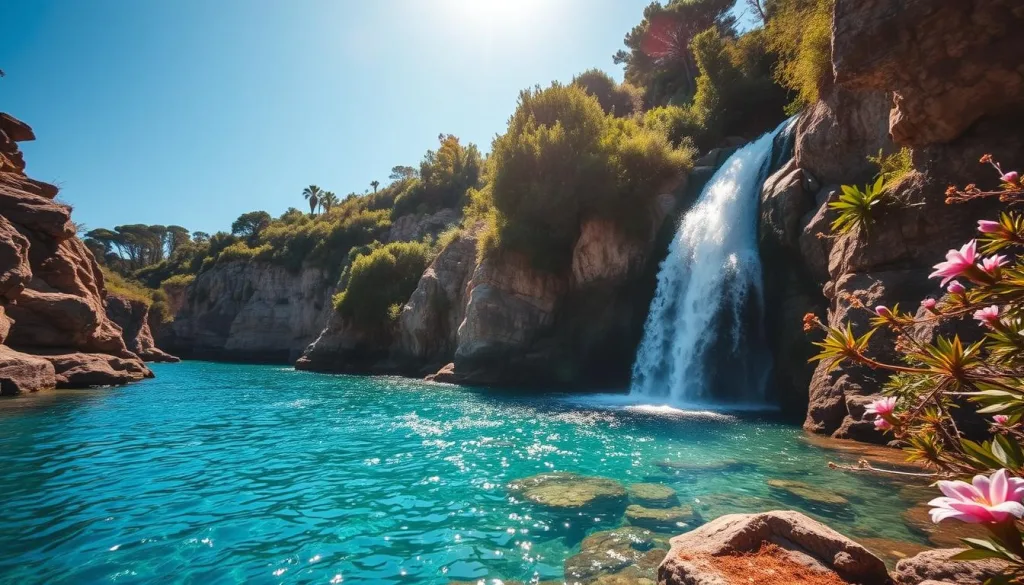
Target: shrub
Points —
{"points": [[680, 124], [931, 380], [445, 176], [239, 252], [800, 33], [126, 288], [178, 281], [377, 281], [563, 159]]}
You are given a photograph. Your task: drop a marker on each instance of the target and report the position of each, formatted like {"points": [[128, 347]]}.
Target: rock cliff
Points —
{"points": [[911, 89], [249, 311], [504, 322], [132, 317], [53, 323]]}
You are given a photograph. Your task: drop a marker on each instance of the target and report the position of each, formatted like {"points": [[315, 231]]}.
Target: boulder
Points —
{"points": [[570, 492], [935, 565], [781, 547], [808, 492], [626, 555], [654, 495], [20, 372], [663, 519]]}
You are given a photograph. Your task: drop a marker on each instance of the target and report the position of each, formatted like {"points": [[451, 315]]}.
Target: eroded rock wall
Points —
{"points": [[52, 316], [250, 311], [941, 50], [132, 317]]}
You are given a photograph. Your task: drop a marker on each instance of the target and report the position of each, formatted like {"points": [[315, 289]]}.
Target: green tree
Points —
{"points": [[659, 57], [176, 237], [375, 184], [328, 200], [380, 279], [403, 173], [200, 237], [312, 195], [250, 224], [620, 100]]}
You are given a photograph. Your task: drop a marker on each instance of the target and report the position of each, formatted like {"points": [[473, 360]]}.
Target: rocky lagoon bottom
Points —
{"points": [[219, 473]]}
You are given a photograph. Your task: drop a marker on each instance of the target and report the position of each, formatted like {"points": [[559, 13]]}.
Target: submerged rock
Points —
{"points": [[654, 495], [623, 555], [666, 519], [778, 547], [702, 466], [808, 492], [569, 491]]}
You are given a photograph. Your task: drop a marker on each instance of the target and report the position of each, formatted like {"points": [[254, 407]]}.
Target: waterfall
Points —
{"points": [[704, 338]]}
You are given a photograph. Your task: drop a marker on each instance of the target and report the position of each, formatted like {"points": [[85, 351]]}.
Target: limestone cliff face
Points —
{"points": [[51, 289], [504, 322], [249, 311], [917, 99]]}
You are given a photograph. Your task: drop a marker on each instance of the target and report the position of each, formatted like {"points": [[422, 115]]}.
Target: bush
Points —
{"points": [[445, 176], [123, 287], [386, 276], [800, 33], [178, 281], [563, 159]]}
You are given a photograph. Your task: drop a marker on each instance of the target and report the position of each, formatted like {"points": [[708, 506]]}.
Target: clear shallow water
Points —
{"points": [[218, 473]]}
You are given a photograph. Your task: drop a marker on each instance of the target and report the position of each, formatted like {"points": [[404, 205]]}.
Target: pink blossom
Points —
{"points": [[986, 226], [992, 264], [1010, 177], [989, 500], [955, 288], [1001, 419], [882, 406], [882, 425], [987, 316], [928, 304], [957, 262], [883, 311]]}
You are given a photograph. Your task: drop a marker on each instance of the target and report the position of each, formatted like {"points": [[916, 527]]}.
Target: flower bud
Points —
{"points": [[986, 226]]}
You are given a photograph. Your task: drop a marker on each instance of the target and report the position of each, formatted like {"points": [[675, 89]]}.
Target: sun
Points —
{"points": [[493, 16]]}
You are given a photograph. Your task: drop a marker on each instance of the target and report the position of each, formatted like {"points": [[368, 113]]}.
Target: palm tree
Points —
{"points": [[312, 194], [328, 200], [375, 184]]}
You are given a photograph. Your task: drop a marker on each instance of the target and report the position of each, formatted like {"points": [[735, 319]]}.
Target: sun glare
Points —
{"points": [[494, 16]]}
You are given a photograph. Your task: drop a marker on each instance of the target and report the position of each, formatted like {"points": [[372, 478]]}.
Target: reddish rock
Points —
{"points": [[133, 318], [15, 270], [20, 372], [935, 565], [85, 370], [795, 545]]}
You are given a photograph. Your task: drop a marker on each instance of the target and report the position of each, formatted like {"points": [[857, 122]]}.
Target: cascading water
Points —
{"points": [[704, 337]]}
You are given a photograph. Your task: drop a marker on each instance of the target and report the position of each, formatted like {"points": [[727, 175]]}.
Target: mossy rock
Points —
{"points": [[666, 519], [629, 554], [808, 492], [653, 495], [570, 491]]}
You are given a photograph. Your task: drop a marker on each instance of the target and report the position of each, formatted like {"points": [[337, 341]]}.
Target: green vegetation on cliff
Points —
{"points": [[381, 281]]}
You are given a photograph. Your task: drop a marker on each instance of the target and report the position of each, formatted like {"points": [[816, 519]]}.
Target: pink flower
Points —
{"points": [[989, 500], [955, 288], [882, 425], [987, 316], [957, 262], [882, 406], [992, 264], [1001, 419], [883, 311], [1010, 177], [989, 227], [928, 304]]}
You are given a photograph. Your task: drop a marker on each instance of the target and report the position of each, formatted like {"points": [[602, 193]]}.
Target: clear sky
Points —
{"points": [[191, 112]]}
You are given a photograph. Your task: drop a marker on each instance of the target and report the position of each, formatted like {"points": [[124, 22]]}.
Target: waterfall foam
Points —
{"points": [[704, 337]]}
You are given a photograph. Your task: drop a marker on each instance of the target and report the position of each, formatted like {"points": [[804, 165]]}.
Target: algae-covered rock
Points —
{"points": [[670, 519], [653, 495], [624, 555], [569, 491], [701, 466], [808, 492]]}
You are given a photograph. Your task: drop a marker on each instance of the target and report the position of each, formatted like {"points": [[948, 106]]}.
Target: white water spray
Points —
{"points": [[704, 337]]}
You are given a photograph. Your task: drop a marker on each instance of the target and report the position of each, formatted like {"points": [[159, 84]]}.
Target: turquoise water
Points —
{"points": [[217, 473]]}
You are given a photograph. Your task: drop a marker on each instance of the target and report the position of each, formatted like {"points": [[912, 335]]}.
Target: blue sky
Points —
{"points": [[191, 112]]}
